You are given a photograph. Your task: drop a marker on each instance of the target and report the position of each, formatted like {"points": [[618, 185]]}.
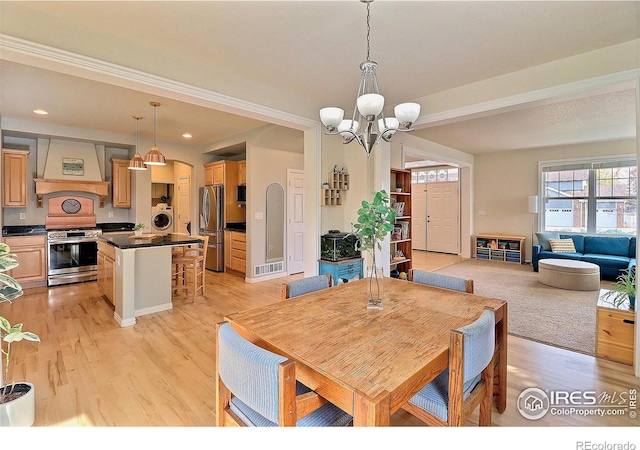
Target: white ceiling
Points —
{"points": [[298, 56]]}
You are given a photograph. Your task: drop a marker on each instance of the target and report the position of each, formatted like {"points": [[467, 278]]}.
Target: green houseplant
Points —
{"points": [[624, 287], [137, 229], [17, 400], [375, 221]]}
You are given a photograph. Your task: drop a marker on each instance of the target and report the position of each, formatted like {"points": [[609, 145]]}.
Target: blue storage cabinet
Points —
{"points": [[345, 269]]}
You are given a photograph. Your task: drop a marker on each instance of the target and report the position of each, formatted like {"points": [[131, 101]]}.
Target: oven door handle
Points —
{"points": [[71, 241]]}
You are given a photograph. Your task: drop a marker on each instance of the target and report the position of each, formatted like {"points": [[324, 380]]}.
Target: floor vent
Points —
{"points": [[268, 268]]}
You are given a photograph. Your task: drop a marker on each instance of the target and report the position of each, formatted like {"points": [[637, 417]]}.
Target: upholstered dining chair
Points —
{"points": [[440, 280], [468, 382], [188, 267], [305, 285], [256, 387]]}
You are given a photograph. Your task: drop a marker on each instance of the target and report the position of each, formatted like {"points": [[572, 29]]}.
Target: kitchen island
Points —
{"points": [[142, 273]]}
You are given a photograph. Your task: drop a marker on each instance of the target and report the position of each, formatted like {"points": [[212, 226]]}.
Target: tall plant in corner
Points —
{"points": [[375, 221], [10, 289]]}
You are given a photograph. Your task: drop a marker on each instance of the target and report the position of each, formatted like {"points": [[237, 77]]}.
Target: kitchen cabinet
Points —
{"points": [[31, 253], [215, 173], [15, 164], [236, 251], [242, 172], [226, 173], [107, 270], [120, 183]]}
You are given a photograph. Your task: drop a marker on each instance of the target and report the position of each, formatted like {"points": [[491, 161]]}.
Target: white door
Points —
{"points": [[184, 202], [419, 216], [295, 221], [443, 212]]}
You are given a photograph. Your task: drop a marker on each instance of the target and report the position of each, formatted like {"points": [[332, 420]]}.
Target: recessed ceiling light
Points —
{"points": [[40, 111], [187, 136]]}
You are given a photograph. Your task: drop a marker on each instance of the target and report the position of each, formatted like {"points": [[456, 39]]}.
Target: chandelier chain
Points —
{"points": [[368, 30]]}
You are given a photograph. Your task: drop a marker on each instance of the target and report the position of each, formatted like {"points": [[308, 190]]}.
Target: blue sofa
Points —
{"points": [[612, 254]]}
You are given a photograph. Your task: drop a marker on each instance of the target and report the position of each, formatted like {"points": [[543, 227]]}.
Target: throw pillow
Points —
{"points": [[562, 245], [543, 239]]}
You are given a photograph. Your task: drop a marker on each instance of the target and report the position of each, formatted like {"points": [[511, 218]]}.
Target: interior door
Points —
{"points": [[295, 221], [443, 213], [184, 201], [419, 216]]}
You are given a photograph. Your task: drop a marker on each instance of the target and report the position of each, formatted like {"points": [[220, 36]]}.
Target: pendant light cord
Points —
{"points": [[154, 126]]}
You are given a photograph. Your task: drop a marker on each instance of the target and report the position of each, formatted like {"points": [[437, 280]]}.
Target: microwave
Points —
{"points": [[241, 193]]}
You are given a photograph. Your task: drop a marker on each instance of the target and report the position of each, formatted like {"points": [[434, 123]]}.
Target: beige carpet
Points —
{"points": [[557, 317]]}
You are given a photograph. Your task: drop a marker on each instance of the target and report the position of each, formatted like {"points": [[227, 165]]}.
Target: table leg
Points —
{"points": [[368, 412]]}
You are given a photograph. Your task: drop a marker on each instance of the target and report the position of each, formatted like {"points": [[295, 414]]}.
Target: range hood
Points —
{"points": [[43, 187]]}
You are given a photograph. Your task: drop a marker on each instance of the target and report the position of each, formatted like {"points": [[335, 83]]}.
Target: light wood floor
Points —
{"points": [[90, 372]]}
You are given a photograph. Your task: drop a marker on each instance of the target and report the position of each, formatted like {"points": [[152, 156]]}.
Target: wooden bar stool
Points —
{"points": [[189, 268]]}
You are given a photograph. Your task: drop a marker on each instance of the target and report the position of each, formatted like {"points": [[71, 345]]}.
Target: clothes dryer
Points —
{"points": [[161, 219]]}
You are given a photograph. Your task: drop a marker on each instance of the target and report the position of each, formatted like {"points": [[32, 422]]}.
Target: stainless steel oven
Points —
{"points": [[72, 256]]}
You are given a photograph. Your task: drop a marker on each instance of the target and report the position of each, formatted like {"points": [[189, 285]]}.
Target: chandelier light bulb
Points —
{"points": [[390, 123], [407, 113], [370, 104], [331, 116], [347, 125]]}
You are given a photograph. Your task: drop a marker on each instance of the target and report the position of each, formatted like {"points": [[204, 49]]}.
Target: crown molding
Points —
{"points": [[27, 52]]}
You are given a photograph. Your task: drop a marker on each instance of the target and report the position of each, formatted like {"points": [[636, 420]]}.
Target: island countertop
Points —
{"points": [[125, 241]]}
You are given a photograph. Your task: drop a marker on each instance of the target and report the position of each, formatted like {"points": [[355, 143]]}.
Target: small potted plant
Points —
{"points": [[138, 229], [17, 399], [624, 287], [398, 187]]}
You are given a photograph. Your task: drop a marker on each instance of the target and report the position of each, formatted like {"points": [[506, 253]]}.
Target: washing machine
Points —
{"points": [[161, 219]]}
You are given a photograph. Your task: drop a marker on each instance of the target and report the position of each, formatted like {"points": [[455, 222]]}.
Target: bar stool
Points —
{"points": [[188, 268]]}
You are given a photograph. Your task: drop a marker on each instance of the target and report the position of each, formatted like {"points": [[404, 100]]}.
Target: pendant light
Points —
{"points": [[137, 163], [154, 157]]}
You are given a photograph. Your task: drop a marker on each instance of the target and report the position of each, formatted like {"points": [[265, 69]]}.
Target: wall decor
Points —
{"points": [[73, 166]]}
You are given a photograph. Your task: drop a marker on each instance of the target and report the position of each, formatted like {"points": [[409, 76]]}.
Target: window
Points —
{"points": [[434, 175], [593, 197]]}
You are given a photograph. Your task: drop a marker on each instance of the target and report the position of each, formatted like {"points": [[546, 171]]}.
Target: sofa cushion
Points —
{"points": [[578, 241], [621, 262], [552, 255], [618, 246], [632, 247], [543, 238], [562, 246]]}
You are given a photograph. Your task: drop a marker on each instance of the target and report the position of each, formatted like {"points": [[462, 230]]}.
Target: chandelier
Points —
{"points": [[154, 157], [368, 109]]}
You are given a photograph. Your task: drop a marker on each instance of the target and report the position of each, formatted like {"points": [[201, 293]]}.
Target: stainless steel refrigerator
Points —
{"points": [[212, 225]]}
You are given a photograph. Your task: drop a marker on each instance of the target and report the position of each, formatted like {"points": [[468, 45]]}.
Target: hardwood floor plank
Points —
{"points": [[90, 372]]}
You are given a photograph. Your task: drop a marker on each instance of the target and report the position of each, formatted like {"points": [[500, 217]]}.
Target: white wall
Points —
{"points": [[505, 180]]}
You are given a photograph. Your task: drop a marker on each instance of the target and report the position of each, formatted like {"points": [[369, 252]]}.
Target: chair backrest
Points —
{"points": [[249, 372], [306, 285], [479, 344], [199, 251], [442, 281]]}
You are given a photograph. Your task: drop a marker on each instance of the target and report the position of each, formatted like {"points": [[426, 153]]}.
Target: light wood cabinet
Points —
{"points": [[500, 247], [120, 183], [31, 253], [15, 164], [333, 190], [236, 251], [615, 328], [215, 172], [226, 173], [401, 246], [242, 172], [106, 270]]}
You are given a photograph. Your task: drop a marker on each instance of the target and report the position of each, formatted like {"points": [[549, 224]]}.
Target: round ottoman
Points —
{"points": [[569, 274]]}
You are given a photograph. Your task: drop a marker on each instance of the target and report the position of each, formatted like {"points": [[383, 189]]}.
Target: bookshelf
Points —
{"points": [[334, 193], [401, 236]]}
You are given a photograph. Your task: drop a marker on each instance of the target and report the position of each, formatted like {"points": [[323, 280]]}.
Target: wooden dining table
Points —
{"points": [[371, 362]]}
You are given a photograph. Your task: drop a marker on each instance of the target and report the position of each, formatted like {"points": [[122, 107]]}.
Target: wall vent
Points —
{"points": [[267, 268]]}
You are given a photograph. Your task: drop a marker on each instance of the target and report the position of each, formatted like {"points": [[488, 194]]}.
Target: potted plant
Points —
{"points": [[137, 230], [398, 187], [17, 400], [624, 287], [375, 221]]}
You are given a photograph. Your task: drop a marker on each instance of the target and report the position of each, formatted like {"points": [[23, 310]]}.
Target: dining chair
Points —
{"points": [[305, 285], [188, 268], [256, 387], [440, 280], [454, 394]]}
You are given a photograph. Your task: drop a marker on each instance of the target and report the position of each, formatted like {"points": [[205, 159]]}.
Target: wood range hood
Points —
{"points": [[99, 188]]}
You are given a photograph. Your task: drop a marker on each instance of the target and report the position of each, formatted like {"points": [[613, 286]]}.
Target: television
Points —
{"points": [[241, 193]]}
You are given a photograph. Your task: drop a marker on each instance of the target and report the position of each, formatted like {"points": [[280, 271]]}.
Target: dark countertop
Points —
{"points": [[115, 226], [236, 226], [23, 230], [122, 241]]}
